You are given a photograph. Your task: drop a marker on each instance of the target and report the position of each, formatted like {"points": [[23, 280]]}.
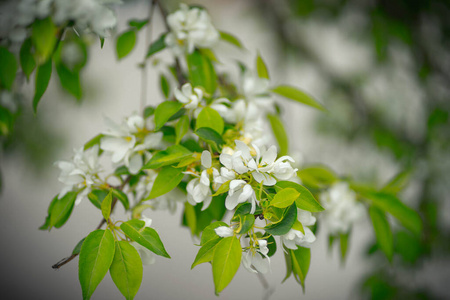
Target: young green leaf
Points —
{"points": [[285, 198], [43, 35], [343, 241], [167, 179], [164, 111], [317, 176], [391, 204], [245, 223], [261, 68], [62, 209], [125, 43], [209, 234], [126, 269], [156, 46], [92, 142], [122, 197], [206, 252], [8, 68], [106, 205], [171, 155], [306, 200], [280, 134], [383, 231], [210, 136], [145, 236], [226, 261], [138, 24], [210, 118], [96, 197], [27, 61], [286, 222], [96, 256], [46, 224], [201, 72], [70, 80], [165, 86], [227, 37], [297, 95], [76, 250], [301, 259], [43, 74], [225, 187], [181, 128]]}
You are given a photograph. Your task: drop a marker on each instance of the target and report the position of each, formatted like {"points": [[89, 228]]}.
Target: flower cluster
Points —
{"points": [[341, 208], [190, 28]]}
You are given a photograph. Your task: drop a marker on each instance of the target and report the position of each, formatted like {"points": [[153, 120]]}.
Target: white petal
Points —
{"points": [[206, 159], [224, 231]]}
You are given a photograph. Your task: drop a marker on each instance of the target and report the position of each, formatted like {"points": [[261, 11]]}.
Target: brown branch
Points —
{"points": [[64, 261]]}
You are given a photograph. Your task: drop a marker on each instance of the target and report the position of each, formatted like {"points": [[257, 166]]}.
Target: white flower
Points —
{"points": [[148, 221], [224, 231], [257, 261], [147, 256], [191, 98], [239, 192], [256, 90], [341, 208], [81, 173], [295, 238], [198, 189], [190, 28]]}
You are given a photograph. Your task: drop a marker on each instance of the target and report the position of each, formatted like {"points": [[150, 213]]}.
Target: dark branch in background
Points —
{"points": [[180, 77], [64, 261]]}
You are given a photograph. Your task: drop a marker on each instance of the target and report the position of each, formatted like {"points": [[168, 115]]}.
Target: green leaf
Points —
{"points": [[76, 250], [96, 256], [210, 118], [280, 134], [156, 46], [317, 176], [149, 111], [165, 86], [96, 197], [164, 111], [106, 206], [46, 224], [70, 80], [43, 74], [125, 43], [210, 136], [145, 236], [171, 155], [398, 183], [288, 260], [245, 223], [409, 218], [188, 160], [209, 233], [94, 141], [383, 231], [201, 72], [206, 252], [167, 179], [43, 35], [26, 58], [227, 37], [8, 68], [295, 94], [286, 222], [343, 240], [285, 198], [225, 187], [261, 68], [226, 261], [126, 269], [301, 259], [181, 128], [138, 24], [306, 200], [122, 197], [62, 209], [271, 244], [102, 42]]}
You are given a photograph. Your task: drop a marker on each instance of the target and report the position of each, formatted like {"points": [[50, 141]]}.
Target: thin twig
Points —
{"points": [[64, 261]]}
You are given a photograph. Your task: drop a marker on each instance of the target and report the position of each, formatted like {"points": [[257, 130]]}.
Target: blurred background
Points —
{"points": [[382, 69]]}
